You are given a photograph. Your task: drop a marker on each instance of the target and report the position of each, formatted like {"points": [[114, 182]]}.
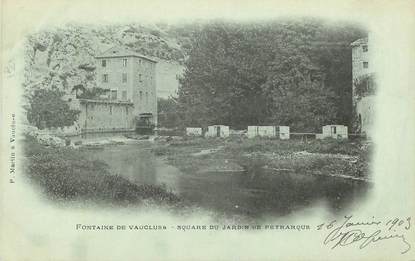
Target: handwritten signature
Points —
{"points": [[347, 232]]}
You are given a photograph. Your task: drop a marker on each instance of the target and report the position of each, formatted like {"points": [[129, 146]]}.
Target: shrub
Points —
{"points": [[47, 109]]}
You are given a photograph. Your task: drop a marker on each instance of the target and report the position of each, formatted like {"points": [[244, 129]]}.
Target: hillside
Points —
{"points": [[64, 57]]}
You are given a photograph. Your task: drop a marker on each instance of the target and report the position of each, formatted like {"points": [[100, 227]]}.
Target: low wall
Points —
{"points": [[103, 116], [62, 131]]}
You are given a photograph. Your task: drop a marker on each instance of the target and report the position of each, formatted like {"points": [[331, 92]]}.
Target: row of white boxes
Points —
{"points": [[328, 131], [253, 131], [212, 131]]}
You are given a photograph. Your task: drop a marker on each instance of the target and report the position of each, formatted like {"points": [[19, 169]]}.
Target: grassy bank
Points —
{"points": [[325, 157], [66, 174]]}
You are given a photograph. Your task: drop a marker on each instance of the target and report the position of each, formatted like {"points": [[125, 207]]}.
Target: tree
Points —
{"points": [[294, 72], [77, 88], [92, 93], [47, 109], [223, 75], [167, 112], [297, 96]]}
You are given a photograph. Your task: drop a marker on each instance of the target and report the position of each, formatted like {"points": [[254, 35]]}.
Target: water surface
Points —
{"points": [[256, 192]]}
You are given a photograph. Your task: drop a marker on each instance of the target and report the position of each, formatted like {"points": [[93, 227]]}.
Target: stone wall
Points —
{"points": [[97, 115], [361, 67], [360, 55], [365, 114], [144, 88]]}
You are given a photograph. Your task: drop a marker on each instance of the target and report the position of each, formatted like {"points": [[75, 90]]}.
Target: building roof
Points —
{"points": [[359, 42], [122, 52]]}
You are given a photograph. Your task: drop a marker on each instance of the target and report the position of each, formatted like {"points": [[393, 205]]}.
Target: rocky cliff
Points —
{"points": [[63, 57]]}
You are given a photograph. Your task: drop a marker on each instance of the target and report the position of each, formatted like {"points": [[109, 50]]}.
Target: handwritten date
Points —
{"points": [[363, 234]]}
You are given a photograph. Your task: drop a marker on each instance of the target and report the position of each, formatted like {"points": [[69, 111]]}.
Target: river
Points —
{"points": [[254, 193]]}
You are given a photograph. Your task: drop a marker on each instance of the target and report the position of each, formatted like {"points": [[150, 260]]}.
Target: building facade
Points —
{"points": [[130, 77], [363, 86], [130, 81]]}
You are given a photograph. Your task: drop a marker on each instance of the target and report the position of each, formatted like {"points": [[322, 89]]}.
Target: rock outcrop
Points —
{"points": [[64, 57]]}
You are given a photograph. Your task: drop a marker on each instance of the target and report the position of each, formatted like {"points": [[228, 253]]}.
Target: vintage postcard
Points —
{"points": [[207, 130]]}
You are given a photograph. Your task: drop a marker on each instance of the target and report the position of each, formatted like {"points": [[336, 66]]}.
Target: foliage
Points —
{"points": [[298, 97], [92, 93], [364, 85], [294, 72], [47, 109], [167, 112]]}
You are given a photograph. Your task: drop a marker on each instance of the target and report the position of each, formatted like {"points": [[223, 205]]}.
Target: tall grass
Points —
{"points": [[66, 174]]}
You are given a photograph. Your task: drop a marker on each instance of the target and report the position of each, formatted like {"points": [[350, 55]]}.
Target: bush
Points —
{"points": [[47, 109]]}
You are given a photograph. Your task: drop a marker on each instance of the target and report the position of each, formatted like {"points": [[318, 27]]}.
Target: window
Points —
{"points": [[139, 61], [104, 63], [124, 62], [113, 94], [365, 64], [333, 129], [365, 48], [105, 78], [141, 95], [139, 78], [111, 110], [124, 77], [124, 95]]}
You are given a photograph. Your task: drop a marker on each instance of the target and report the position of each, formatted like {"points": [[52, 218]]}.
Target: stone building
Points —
{"points": [[363, 85], [130, 81]]}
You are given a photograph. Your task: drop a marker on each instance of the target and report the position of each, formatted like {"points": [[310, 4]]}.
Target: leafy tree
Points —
{"points": [[223, 76], [297, 95], [167, 112], [47, 109], [77, 88], [294, 72]]}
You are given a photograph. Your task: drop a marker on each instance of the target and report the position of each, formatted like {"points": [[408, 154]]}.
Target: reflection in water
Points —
{"points": [[255, 192]]}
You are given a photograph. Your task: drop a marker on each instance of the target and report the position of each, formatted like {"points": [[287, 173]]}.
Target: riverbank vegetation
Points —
{"points": [[66, 174], [341, 158]]}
